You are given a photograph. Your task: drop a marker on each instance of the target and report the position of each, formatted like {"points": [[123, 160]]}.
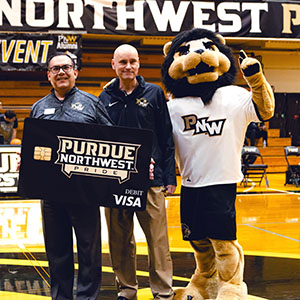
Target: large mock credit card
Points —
{"points": [[77, 163]]}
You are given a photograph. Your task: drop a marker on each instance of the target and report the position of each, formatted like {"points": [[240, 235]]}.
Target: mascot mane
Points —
{"points": [[181, 87]]}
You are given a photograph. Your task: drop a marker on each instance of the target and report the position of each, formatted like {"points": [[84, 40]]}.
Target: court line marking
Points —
{"points": [[271, 223], [272, 254], [241, 192], [34, 263], [250, 188], [283, 191], [15, 262], [275, 233], [4, 295], [141, 293], [146, 294], [249, 252], [24, 262], [104, 269]]}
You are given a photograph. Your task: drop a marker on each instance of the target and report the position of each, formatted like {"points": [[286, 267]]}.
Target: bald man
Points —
{"points": [[132, 102]]}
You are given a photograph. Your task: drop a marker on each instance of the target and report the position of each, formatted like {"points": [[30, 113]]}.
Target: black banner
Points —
{"points": [[256, 18], [77, 163], [9, 175], [29, 52]]}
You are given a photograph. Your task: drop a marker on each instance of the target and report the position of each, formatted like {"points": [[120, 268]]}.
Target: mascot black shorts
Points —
{"points": [[208, 212]]}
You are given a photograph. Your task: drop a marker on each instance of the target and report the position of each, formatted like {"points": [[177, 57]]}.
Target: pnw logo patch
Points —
{"points": [[142, 102], [97, 158], [202, 125], [42, 153], [77, 106]]}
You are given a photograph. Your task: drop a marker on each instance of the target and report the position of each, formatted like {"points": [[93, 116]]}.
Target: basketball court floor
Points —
{"points": [[268, 220]]}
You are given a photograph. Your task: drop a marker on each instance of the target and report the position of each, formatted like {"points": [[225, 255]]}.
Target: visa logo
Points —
{"points": [[129, 201]]}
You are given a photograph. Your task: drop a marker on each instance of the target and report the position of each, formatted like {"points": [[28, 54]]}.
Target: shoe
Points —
{"points": [[122, 298]]}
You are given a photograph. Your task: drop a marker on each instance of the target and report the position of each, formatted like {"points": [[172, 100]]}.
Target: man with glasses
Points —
{"points": [[67, 103]]}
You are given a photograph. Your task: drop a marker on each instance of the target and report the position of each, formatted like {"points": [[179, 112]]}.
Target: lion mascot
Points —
{"points": [[210, 116]]}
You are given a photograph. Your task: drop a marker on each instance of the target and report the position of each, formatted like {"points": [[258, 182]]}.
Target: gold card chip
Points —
{"points": [[42, 153]]}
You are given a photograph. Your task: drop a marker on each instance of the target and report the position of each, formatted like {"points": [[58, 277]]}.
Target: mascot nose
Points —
{"points": [[199, 51]]}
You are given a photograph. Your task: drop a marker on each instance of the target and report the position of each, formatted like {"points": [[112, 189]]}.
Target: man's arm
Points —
{"points": [[102, 114], [166, 142]]}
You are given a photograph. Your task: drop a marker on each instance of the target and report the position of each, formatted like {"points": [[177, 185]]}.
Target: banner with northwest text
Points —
{"points": [[248, 18], [77, 163]]}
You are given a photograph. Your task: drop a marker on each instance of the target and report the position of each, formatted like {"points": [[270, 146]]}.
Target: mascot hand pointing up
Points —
{"points": [[210, 116]]}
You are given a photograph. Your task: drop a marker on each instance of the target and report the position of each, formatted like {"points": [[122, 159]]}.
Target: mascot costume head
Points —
{"points": [[190, 69], [210, 116]]}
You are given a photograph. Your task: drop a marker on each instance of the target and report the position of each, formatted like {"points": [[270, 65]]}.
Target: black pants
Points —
{"points": [[58, 221]]}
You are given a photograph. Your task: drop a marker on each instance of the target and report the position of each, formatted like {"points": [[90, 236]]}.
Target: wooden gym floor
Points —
{"points": [[268, 221]]}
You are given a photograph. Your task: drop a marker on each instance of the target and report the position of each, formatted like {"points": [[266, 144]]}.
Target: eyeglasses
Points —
{"points": [[65, 68]]}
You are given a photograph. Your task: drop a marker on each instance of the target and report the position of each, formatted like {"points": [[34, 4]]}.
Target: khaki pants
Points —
{"points": [[123, 248]]}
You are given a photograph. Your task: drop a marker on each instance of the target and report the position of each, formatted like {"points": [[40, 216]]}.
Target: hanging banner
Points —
{"points": [[29, 52], [256, 18], [9, 175], [76, 163]]}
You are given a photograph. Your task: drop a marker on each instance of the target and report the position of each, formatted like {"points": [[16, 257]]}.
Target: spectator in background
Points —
{"points": [[8, 127], [256, 131]]}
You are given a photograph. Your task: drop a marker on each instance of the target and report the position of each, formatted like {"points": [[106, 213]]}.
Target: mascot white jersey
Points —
{"points": [[221, 124], [210, 117]]}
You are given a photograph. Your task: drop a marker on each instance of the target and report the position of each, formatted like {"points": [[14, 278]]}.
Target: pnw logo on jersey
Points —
{"points": [[203, 125], [97, 158]]}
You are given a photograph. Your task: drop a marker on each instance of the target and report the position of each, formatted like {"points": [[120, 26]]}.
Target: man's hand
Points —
{"points": [[263, 127], [19, 161], [151, 169], [171, 189]]}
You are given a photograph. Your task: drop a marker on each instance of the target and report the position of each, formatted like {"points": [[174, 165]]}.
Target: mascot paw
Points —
{"points": [[249, 65], [187, 293], [233, 292]]}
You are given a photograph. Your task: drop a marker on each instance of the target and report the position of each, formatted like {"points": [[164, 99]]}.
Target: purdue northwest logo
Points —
{"points": [[203, 125], [97, 158], [67, 42]]}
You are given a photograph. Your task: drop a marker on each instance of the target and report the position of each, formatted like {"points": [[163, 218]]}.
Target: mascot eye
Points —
{"points": [[183, 50], [210, 45]]}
